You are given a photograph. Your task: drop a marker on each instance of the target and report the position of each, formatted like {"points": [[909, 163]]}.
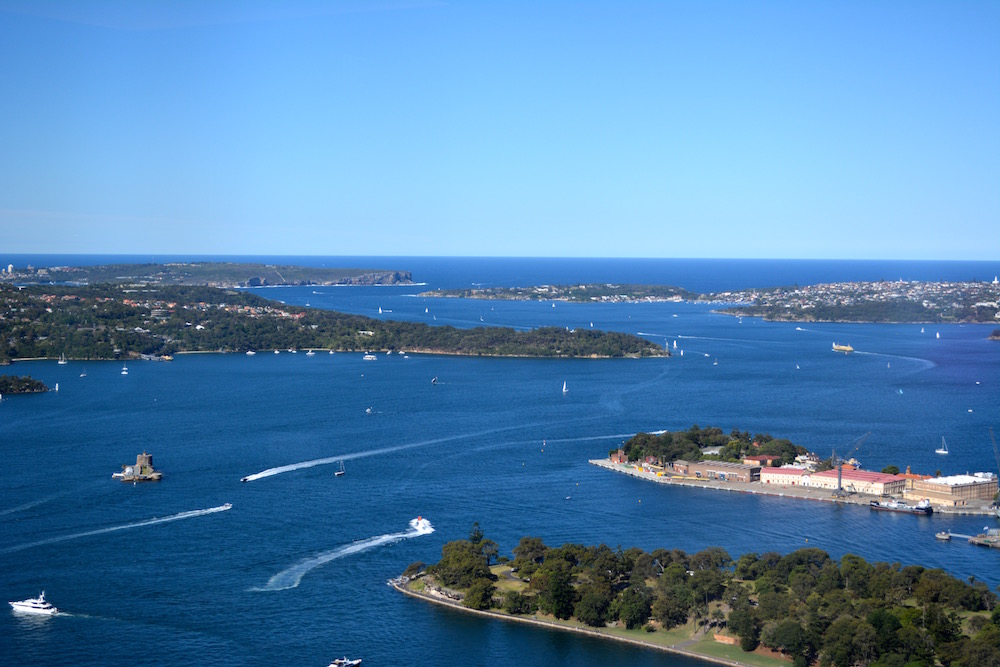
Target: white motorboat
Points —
{"points": [[125, 369], [35, 606], [345, 662], [369, 357]]}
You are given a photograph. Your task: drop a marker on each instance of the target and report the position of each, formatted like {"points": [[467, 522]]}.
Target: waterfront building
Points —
{"points": [[722, 470], [859, 481], [763, 460], [956, 490], [786, 475]]}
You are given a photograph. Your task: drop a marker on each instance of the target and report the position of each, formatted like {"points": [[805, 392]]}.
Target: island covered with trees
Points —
{"points": [[109, 321], [214, 274], [21, 384], [802, 607], [691, 445]]}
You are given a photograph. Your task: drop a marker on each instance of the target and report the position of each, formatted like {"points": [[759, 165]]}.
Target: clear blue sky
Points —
{"points": [[696, 128]]}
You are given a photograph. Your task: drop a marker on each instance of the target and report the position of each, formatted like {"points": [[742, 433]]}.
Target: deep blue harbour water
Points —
{"points": [[188, 591]]}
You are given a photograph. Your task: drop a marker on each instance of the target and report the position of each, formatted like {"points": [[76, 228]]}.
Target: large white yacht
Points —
{"points": [[35, 606]]}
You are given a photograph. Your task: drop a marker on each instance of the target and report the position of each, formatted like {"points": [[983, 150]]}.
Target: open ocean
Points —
{"points": [[295, 572]]}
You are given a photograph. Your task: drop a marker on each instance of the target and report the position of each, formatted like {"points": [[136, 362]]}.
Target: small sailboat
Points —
{"points": [[340, 473], [310, 353], [62, 360], [565, 388], [84, 373], [921, 329], [943, 449], [937, 335]]}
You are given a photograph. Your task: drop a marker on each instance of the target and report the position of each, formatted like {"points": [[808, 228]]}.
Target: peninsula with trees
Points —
{"points": [[769, 608], [113, 321], [878, 302]]}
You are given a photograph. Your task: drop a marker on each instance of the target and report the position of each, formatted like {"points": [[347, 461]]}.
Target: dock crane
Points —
{"points": [[838, 463]]}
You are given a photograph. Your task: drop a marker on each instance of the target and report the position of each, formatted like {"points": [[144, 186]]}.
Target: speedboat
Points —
{"points": [[35, 606], [345, 662], [369, 357]]}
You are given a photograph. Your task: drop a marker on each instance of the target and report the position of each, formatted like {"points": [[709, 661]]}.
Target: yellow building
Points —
{"points": [[956, 490]]}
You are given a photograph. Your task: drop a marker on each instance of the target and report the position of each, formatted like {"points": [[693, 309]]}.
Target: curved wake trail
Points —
{"points": [[291, 577], [138, 524], [25, 506], [373, 452]]}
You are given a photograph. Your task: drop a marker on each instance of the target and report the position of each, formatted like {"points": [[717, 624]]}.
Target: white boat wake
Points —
{"points": [[291, 577], [25, 506], [138, 524], [373, 452]]}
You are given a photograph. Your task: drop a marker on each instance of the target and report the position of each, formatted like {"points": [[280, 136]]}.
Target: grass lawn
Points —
{"points": [[709, 646]]}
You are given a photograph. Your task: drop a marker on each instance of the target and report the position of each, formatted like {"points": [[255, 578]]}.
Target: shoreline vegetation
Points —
{"points": [[112, 321], [882, 302], [764, 609], [21, 384]]}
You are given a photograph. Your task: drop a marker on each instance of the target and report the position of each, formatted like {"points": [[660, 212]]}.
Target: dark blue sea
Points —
{"points": [[295, 572]]}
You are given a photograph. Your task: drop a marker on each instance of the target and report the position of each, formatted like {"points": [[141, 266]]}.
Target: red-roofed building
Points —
{"points": [[860, 481]]}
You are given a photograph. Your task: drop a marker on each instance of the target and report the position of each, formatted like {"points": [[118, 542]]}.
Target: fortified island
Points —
{"points": [[142, 471]]}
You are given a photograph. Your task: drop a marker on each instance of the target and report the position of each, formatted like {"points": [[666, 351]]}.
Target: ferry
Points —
{"points": [[842, 348], [922, 507], [35, 606]]}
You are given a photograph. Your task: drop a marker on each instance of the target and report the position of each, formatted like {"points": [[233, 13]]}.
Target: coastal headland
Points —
{"points": [[211, 274], [870, 302], [751, 609]]}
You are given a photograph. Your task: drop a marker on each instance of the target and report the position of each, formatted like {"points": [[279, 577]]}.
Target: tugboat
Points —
{"points": [[35, 606], [922, 507]]}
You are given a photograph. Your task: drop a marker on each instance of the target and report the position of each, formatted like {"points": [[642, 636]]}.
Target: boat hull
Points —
{"points": [[899, 507]]}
